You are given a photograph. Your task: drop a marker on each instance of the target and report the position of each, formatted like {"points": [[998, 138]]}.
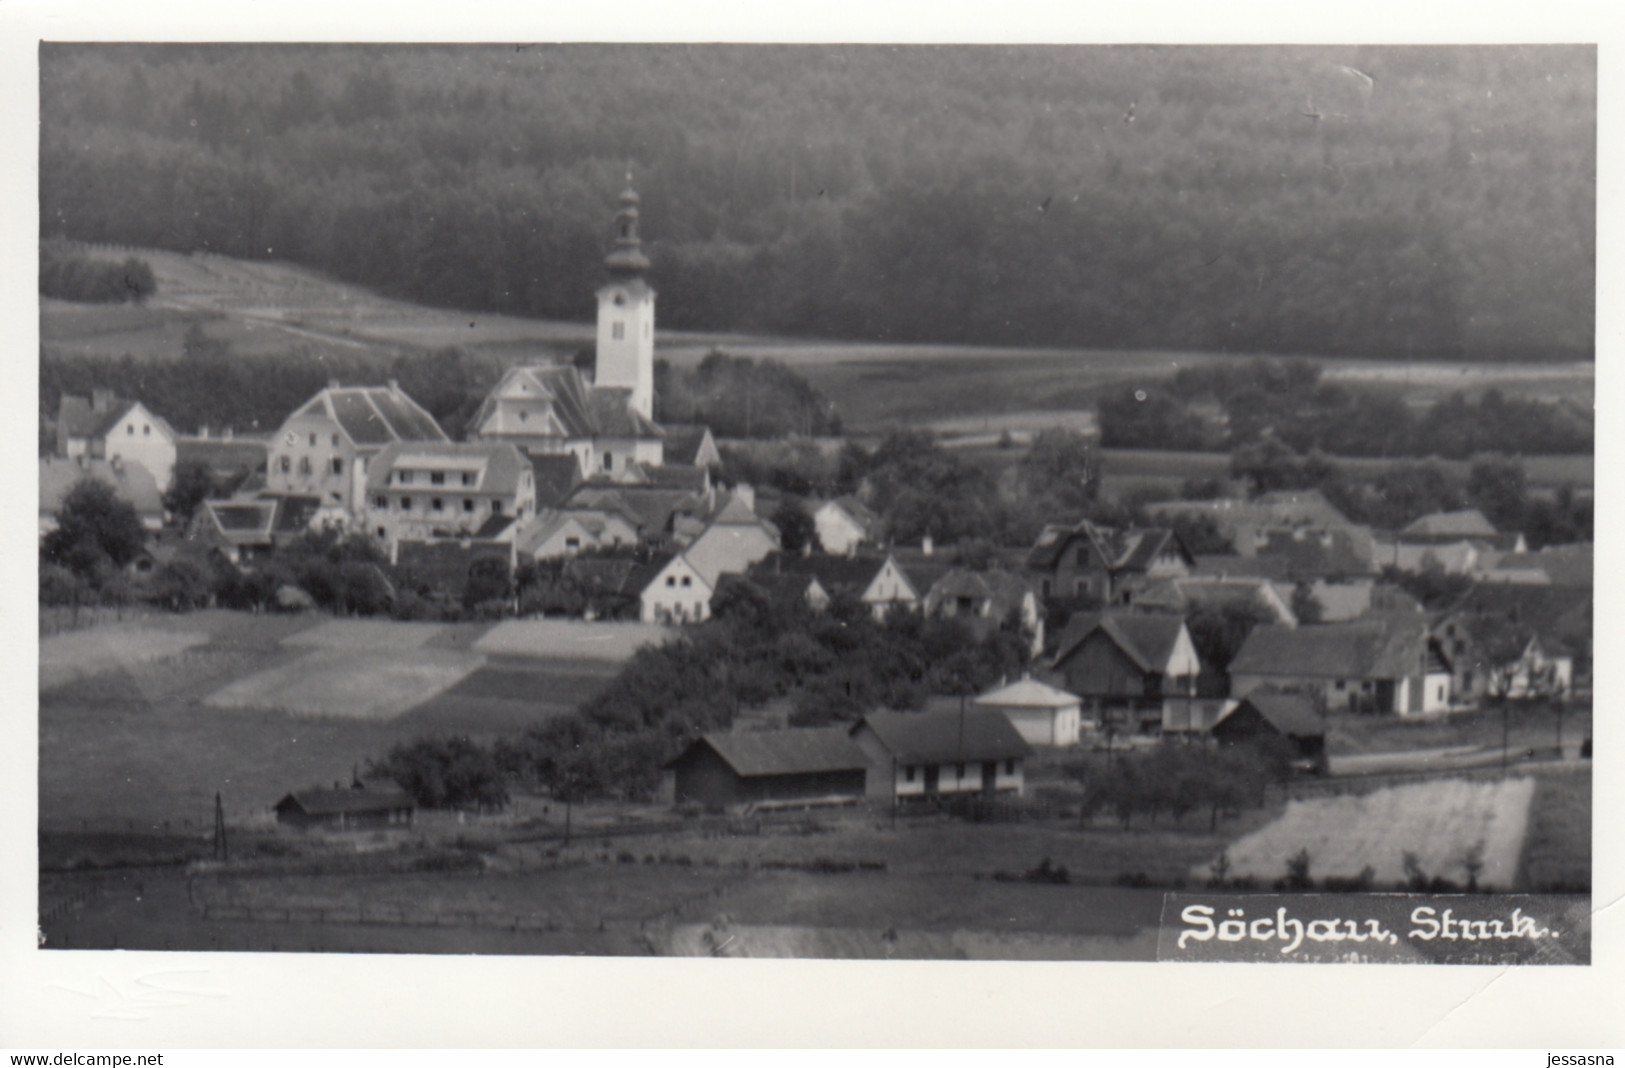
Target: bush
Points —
{"points": [[446, 773]]}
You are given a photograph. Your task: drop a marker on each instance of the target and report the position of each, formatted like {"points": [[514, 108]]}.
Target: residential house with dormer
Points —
{"points": [[1102, 564], [420, 491]]}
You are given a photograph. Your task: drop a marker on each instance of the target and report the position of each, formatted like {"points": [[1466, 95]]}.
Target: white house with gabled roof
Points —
{"points": [[324, 448], [1042, 714], [671, 590]]}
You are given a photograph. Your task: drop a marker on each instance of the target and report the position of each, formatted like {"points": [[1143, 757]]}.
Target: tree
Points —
{"points": [[446, 772], [192, 485], [93, 525], [796, 526], [182, 584], [1497, 486]]}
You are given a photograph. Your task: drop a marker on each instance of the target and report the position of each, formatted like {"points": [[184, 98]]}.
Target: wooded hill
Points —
{"points": [[1397, 201]]}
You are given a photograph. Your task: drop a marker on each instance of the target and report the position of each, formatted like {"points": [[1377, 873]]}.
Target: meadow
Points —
{"points": [[172, 709]]}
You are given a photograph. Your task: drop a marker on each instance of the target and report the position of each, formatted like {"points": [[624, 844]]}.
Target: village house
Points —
{"points": [[986, 600], [1517, 640], [552, 410], [106, 427], [231, 461], [804, 764], [931, 755], [1042, 714], [1269, 713], [1133, 670], [1186, 594], [1563, 566], [1384, 665], [671, 590], [843, 524], [323, 449], [131, 483], [554, 533], [815, 578], [1104, 565], [732, 540], [1240, 521], [422, 490], [244, 528]]}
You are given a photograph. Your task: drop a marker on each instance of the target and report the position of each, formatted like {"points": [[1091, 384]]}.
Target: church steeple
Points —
{"points": [[626, 314], [626, 259]]}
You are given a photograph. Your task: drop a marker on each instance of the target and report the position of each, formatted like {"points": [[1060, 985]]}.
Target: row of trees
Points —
{"points": [[68, 275], [1123, 197], [1176, 780], [741, 397], [1286, 401]]}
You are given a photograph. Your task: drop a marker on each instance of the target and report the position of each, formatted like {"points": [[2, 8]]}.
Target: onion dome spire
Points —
{"points": [[626, 259]]}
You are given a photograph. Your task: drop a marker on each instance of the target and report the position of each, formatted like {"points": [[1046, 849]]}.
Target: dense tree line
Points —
{"points": [[1364, 201], [835, 666], [1287, 401], [740, 397], [69, 275]]}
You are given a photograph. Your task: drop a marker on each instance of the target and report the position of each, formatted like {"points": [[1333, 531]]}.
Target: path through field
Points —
{"points": [[1438, 821]]}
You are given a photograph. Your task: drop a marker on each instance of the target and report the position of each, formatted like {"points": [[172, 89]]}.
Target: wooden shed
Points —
{"points": [[718, 770], [357, 808]]}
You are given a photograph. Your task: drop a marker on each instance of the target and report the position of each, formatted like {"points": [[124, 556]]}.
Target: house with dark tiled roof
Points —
{"points": [[1384, 664], [797, 764], [323, 449], [1499, 632], [356, 808], [555, 532], [556, 476], [440, 489], [816, 578], [105, 427], [1133, 670], [1105, 565], [932, 755]]}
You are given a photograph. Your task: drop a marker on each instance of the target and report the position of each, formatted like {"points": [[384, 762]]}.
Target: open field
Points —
{"points": [[77, 654], [571, 640], [1557, 846], [347, 684], [135, 743], [1438, 821]]}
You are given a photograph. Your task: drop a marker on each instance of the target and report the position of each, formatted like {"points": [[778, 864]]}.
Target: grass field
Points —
{"points": [[349, 684], [132, 742], [1528, 726], [1438, 821], [573, 640], [1557, 846]]}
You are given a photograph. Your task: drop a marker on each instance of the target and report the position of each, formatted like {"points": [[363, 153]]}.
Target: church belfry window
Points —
{"points": [[618, 331]]}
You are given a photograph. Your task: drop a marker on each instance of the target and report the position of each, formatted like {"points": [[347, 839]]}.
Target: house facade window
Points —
{"points": [[380, 502], [496, 507], [403, 478], [908, 774], [671, 580], [436, 504], [1009, 767], [304, 465], [146, 430], [406, 504], [130, 429], [609, 461], [313, 440], [338, 466], [286, 463], [335, 441], [618, 331], [468, 478], [468, 504], [437, 478], [687, 582]]}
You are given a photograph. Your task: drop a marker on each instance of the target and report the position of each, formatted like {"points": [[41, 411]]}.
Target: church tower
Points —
{"points": [[626, 314]]}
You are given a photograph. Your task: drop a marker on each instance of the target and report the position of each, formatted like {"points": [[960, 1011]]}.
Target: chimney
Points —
{"points": [[101, 400], [332, 383], [394, 386], [203, 431], [926, 545], [226, 434]]}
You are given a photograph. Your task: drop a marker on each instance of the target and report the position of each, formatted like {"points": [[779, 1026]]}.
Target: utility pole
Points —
{"points": [[220, 851]]}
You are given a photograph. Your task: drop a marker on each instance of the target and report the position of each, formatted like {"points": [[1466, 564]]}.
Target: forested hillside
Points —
{"points": [[1356, 201]]}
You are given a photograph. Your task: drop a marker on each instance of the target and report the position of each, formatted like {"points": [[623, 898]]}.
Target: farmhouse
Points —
{"points": [[109, 428], [421, 490], [322, 450], [815, 578], [1103, 564], [1129, 665], [797, 764], [554, 532], [1384, 664], [553, 411], [1184, 595], [1269, 713], [927, 755], [354, 809], [243, 528], [1042, 714]]}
